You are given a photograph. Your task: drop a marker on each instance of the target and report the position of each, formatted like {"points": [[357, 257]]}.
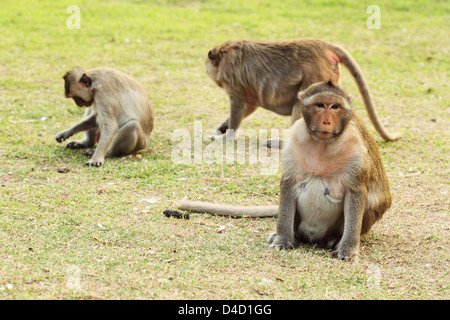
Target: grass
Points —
{"points": [[107, 222]]}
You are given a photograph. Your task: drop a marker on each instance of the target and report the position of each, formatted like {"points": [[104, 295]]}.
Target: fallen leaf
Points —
{"points": [[151, 200], [408, 201], [260, 292], [63, 169]]}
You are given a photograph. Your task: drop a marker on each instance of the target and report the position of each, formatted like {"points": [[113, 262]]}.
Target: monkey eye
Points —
{"points": [[320, 105], [335, 106]]}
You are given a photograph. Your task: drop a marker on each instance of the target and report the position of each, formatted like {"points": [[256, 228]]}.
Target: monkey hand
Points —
{"points": [[346, 252], [62, 136], [94, 163], [278, 242]]}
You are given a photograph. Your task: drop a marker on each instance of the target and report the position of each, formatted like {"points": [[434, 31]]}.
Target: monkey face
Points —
{"points": [[77, 85], [326, 111], [213, 58], [325, 117]]}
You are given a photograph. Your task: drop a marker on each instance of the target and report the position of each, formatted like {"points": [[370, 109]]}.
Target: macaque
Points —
{"points": [[270, 74], [333, 186], [118, 115]]}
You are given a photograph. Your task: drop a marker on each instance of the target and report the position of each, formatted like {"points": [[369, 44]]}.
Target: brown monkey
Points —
{"points": [[333, 186], [119, 113], [270, 74]]}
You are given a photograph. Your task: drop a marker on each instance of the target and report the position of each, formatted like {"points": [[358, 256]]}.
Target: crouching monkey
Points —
{"points": [[333, 186], [119, 115]]}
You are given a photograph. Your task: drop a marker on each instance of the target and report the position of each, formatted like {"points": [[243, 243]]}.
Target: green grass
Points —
{"points": [[108, 221]]}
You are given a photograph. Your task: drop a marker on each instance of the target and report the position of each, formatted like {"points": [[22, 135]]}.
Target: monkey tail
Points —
{"points": [[347, 60], [228, 210]]}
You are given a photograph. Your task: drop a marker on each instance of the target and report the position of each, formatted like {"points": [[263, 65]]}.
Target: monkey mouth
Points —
{"points": [[324, 134], [82, 103]]}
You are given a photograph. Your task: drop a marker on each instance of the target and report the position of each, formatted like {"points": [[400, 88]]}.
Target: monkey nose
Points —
{"points": [[210, 55]]}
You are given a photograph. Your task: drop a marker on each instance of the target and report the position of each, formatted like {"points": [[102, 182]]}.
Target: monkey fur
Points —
{"points": [[118, 113], [271, 73], [333, 186]]}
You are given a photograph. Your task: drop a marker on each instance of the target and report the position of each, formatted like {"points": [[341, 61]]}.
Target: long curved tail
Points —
{"points": [[347, 60], [228, 210]]}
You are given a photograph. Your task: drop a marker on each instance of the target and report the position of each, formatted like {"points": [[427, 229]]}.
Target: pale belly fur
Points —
{"points": [[320, 205]]}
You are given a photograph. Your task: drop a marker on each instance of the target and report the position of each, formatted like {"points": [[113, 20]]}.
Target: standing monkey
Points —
{"points": [[333, 186], [121, 116], [270, 74]]}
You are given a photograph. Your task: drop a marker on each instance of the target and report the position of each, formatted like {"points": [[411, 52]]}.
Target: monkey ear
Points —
{"points": [[85, 81], [301, 95]]}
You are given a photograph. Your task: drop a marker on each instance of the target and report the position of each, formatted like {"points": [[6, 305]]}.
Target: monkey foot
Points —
{"points": [[75, 145], [332, 244], [89, 152], [275, 241], [346, 257]]}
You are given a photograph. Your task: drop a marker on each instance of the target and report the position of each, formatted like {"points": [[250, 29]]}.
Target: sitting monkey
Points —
{"points": [[118, 116], [333, 185]]}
